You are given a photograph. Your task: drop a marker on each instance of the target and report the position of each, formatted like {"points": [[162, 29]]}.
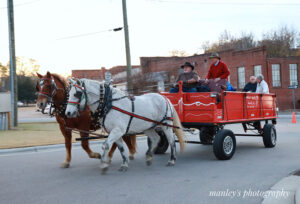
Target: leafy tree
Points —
{"points": [[27, 67], [3, 70], [26, 88]]}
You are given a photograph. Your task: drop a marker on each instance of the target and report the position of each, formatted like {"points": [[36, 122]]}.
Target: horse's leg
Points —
{"points": [[170, 136], [124, 165], [86, 147], [111, 152], [114, 135], [68, 144], [131, 144], [153, 142]]}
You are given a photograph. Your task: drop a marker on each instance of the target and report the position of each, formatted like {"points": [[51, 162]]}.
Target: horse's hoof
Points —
{"points": [[104, 168], [149, 162], [65, 165], [171, 163], [131, 157], [96, 155], [123, 168]]}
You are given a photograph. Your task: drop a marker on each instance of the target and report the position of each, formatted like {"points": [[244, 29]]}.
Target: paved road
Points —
{"points": [[31, 115], [35, 177]]}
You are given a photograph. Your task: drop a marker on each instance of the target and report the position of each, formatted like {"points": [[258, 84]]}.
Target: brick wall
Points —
{"points": [[234, 59], [98, 74], [284, 95]]}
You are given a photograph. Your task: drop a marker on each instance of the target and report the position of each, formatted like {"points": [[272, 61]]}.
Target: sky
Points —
{"points": [[44, 28]]}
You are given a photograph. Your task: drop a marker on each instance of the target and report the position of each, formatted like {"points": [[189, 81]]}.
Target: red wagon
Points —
{"points": [[210, 112]]}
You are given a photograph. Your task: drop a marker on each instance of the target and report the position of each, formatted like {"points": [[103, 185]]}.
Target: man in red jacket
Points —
{"points": [[218, 69]]}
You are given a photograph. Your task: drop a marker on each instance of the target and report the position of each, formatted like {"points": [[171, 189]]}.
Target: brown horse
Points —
{"points": [[53, 87]]}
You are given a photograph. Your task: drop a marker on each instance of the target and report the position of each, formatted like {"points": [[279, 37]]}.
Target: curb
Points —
{"points": [[297, 196], [37, 120], [285, 191], [55, 146]]}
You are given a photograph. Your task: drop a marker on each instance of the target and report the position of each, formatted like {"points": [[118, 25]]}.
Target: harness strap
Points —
{"points": [[143, 118], [131, 117]]}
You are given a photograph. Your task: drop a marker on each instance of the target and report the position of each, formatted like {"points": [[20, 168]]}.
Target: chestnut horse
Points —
{"points": [[54, 88]]}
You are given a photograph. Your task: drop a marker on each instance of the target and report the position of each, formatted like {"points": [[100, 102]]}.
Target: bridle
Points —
{"points": [[80, 95], [52, 86], [60, 108]]}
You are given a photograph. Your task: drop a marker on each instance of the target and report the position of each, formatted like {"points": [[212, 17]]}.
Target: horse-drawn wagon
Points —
{"points": [[210, 112], [120, 115]]}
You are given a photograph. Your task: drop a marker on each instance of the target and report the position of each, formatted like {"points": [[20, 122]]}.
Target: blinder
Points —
{"points": [[78, 94]]}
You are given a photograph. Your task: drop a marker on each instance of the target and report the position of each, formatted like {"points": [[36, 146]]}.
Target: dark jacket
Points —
{"points": [[184, 77], [250, 87]]}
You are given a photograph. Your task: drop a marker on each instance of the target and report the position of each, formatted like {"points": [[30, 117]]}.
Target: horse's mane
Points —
{"points": [[116, 91], [119, 92], [62, 79]]}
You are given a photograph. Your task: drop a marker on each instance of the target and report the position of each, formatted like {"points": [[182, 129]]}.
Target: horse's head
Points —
{"points": [[77, 98], [46, 88]]}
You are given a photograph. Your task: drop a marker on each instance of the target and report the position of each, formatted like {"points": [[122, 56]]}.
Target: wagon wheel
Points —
{"points": [[163, 143], [206, 135], [269, 135], [224, 144]]}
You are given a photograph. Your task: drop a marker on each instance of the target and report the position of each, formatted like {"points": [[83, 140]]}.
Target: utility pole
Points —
{"points": [[12, 64], [128, 60]]}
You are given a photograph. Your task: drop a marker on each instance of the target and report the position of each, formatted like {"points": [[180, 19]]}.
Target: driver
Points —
{"points": [[188, 77]]}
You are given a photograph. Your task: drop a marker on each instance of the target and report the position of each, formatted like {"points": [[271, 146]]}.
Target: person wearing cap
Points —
{"points": [[262, 86], [218, 69], [188, 77]]}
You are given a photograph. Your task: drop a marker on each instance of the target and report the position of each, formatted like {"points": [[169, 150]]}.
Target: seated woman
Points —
{"points": [[189, 79]]}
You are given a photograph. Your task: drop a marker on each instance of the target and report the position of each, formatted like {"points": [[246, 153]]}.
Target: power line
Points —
{"points": [[225, 3], [92, 33], [22, 4]]}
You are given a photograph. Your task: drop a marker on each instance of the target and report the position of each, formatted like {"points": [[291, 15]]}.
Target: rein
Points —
{"points": [[145, 118]]}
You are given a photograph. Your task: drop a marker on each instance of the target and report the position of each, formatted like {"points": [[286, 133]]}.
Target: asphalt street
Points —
{"points": [[36, 177]]}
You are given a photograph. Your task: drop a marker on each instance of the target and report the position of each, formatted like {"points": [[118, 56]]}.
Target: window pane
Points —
{"points": [[276, 75], [241, 77], [257, 70], [293, 74]]}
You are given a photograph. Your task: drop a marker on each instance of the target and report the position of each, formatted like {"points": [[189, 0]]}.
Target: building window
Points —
{"points": [[241, 77], [293, 74], [276, 75], [257, 70]]}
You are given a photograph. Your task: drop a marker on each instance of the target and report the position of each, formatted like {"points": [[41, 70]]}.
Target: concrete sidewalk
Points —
{"points": [[285, 191]]}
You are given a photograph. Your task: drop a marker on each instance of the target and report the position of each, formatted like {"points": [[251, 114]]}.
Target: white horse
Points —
{"points": [[152, 106]]}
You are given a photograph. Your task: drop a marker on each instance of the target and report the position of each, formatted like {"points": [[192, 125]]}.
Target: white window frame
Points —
{"points": [[276, 78], [241, 77], [293, 70], [257, 70]]}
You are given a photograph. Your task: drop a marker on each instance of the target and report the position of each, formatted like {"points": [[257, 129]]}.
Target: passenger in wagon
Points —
{"points": [[251, 85], [262, 86], [218, 69], [188, 77]]}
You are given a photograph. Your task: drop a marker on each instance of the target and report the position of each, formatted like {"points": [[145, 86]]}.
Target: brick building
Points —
{"points": [[118, 73], [279, 73]]}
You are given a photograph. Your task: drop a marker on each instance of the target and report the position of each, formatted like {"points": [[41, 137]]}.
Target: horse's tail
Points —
{"points": [[178, 131]]}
